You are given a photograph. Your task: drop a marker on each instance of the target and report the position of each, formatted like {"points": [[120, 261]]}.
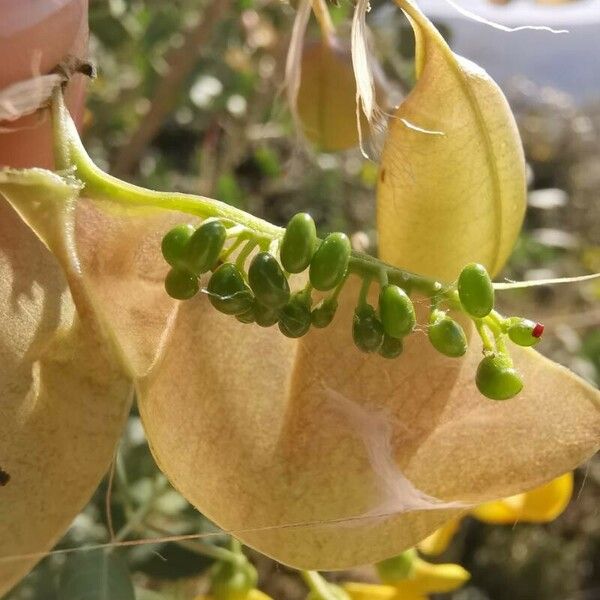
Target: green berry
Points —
{"points": [[205, 246], [248, 316], [330, 262], [323, 314], [265, 316], [476, 291], [446, 335], [294, 317], [231, 581], [181, 284], [396, 311], [497, 379], [525, 332], [174, 245], [228, 292], [367, 330], [299, 242], [391, 347], [268, 281]]}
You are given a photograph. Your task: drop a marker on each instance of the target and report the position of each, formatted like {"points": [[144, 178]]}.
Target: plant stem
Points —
{"points": [[323, 18]]}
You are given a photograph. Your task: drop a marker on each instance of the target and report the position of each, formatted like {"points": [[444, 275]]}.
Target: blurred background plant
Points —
{"points": [[189, 98]]}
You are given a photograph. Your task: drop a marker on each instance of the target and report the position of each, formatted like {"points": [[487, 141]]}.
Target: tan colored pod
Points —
{"points": [[327, 96]]}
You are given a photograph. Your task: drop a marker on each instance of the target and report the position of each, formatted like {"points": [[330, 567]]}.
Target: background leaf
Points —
{"points": [[95, 575]]}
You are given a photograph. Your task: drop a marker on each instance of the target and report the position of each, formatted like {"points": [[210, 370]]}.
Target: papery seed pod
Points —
{"points": [[475, 290], [391, 347], [330, 262], [181, 284], [174, 245], [524, 332], [367, 330], [205, 246], [446, 335], [268, 281], [294, 317], [396, 311], [497, 379], [299, 243], [228, 291], [327, 96], [323, 314]]}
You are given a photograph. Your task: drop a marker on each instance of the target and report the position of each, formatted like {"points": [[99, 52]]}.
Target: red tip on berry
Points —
{"points": [[537, 330]]}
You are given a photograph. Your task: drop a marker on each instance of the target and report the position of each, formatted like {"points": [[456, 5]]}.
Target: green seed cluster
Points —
{"points": [[260, 293]]}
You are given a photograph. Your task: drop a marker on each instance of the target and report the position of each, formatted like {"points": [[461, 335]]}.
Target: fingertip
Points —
{"points": [[35, 36]]}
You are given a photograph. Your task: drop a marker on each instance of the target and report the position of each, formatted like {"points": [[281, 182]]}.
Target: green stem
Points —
{"points": [[70, 154], [198, 546], [317, 585]]}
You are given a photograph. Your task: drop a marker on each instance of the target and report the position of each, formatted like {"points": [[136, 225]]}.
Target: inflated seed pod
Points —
{"points": [[497, 379], [268, 281], [323, 314], [367, 330], [228, 291], [181, 284], [294, 317], [174, 245], [446, 335], [204, 247], [327, 95], [299, 243], [396, 311], [265, 316], [391, 347], [476, 291], [525, 332], [330, 262]]}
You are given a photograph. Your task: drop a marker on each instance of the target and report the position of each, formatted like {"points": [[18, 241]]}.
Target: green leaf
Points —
{"points": [[95, 575]]}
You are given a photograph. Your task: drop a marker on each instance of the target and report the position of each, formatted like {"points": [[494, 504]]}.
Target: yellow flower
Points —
{"points": [[540, 505], [424, 579], [252, 595]]}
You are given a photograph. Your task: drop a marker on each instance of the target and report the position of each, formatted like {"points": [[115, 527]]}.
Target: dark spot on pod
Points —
{"points": [[4, 477], [382, 176]]}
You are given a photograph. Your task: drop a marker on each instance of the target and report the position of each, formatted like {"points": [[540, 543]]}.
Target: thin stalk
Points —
{"points": [[323, 17]]}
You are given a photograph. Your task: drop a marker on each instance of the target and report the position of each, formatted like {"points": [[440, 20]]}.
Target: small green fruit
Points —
{"points": [[367, 330], [299, 243], [323, 314], [446, 335], [268, 281], [330, 262], [205, 246], [174, 245], [476, 291], [228, 292], [525, 332], [391, 347], [396, 311], [181, 284], [497, 379], [294, 317]]}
